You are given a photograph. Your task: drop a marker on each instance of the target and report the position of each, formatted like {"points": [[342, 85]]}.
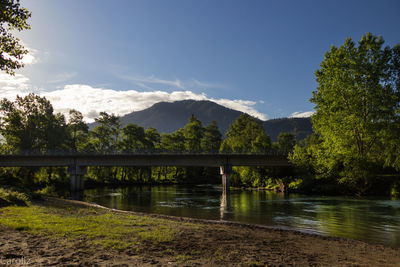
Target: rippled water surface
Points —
{"points": [[371, 220]]}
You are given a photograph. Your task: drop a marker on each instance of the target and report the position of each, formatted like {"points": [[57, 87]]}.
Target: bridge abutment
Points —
{"points": [[225, 171], [77, 184]]}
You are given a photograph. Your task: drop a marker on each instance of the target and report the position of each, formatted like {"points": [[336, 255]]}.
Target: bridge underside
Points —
{"points": [[77, 164]]}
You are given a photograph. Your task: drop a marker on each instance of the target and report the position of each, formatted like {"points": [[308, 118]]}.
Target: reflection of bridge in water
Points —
{"points": [[77, 163]]}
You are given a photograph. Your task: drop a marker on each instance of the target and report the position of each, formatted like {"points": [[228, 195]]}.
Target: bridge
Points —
{"points": [[77, 163]]}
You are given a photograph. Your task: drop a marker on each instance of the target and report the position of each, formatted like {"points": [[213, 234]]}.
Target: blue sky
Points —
{"points": [[256, 56]]}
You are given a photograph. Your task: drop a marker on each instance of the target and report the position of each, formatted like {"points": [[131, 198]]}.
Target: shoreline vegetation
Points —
{"points": [[66, 232]]}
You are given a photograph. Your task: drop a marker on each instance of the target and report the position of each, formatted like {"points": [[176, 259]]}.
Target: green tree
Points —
{"points": [[133, 138], [173, 142], [286, 142], [212, 138], [12, 17], [246, 134], [357, 112], [152, 137], [77, 130], [29, 123], [105, 136], [193, 132]]}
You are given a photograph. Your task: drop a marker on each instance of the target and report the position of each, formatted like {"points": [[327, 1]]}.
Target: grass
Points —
{"points": [[100, 227]]}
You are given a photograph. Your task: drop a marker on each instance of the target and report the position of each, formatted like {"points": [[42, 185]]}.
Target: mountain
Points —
{"points": [[168, 117], [300, 127]]}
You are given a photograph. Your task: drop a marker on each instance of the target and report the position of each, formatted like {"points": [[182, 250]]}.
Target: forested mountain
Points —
{"points": [[169, 117], [300, 127]]}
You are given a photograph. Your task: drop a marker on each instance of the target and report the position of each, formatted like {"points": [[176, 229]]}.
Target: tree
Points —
{"points": [[105, 137], [173, 142], [12, 17], [193, 132], [77, 130], [357, 111], [29, 123], [246, 134], [212, 138], [133, 138], [152, 137], [286, 142]]}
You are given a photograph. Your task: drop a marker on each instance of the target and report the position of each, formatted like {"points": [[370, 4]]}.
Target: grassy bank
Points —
{"points": [[63, 233]]}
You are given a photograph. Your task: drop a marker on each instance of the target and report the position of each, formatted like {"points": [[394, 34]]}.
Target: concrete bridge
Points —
{"points": [[77, 163]]}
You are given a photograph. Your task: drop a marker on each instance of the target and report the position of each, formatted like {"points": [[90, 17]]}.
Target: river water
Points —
{"points": [[372, 220]]}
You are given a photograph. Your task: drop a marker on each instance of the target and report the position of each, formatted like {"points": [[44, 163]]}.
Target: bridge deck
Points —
{"points": [[182, 160]]}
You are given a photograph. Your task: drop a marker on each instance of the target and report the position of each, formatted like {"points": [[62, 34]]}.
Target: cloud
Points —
{"points": [[90, 101], [62, 77], [299, 114], [10, 85], [147, 82]]}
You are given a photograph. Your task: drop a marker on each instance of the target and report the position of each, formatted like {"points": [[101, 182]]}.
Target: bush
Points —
{"points": [[9, 197]]}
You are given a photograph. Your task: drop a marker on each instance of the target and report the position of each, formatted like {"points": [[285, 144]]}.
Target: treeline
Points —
{"points": [[30, 124]]}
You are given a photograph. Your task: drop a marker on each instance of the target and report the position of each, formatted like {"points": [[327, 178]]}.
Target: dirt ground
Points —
{"points": [[217, 244]]}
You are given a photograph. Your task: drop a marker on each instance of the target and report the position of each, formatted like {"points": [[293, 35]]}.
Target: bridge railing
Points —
{"points": [[137, 152]]}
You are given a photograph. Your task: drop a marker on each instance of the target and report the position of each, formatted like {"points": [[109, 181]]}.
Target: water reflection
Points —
{"points": [[371, 220], [225, 204]]}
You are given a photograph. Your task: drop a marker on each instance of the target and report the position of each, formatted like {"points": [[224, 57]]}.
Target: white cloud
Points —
{"points": [[90, 101], [62, 77], [10, 85], [147, 81], [300, 114]]}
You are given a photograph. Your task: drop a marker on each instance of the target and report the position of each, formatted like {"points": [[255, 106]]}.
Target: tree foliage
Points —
{"points": [[29, 123], [12, 17], [246, 134], [357, 112]]}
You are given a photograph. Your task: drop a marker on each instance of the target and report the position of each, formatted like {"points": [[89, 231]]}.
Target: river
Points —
{"points": [[374, 220]]}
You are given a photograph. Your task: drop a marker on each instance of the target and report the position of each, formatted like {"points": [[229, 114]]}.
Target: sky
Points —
{"points": [[121, 56]]}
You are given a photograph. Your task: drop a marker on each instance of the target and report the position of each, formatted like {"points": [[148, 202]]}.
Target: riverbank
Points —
{"points": [[60, 232]]}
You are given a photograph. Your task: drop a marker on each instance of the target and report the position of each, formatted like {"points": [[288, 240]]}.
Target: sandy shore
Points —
{"points": [[207, 243]]}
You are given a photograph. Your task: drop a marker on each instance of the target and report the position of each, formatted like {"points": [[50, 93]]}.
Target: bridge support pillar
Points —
{"points": [[76, 174], [225, 171]]}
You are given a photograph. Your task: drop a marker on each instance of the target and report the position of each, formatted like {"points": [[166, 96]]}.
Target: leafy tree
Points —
{"points": [[12, 17], [133, 138], [212, 138], [193, 132], [246, 134], [77, 130], [286, 142], [29, 123], [106, 136], [357, 112], [174, 142], [152, 137]]}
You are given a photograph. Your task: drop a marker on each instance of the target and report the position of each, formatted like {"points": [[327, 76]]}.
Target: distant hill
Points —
{"points": [[300, 127], [168, 117]]}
